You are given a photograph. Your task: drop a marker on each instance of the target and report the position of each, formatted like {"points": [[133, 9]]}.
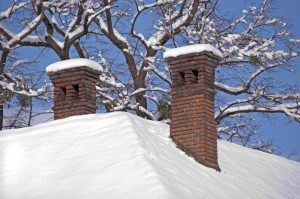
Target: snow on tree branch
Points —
{"points": [[11, 10], [31, 26], [290, 109], [149, 89], [140, 9]]}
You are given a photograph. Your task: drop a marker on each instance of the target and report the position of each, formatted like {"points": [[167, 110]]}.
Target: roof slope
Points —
{"points": [[119, 155]]}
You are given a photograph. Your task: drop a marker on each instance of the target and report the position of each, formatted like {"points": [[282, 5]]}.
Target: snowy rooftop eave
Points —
{"points": [[197, 48], [74, 63]]}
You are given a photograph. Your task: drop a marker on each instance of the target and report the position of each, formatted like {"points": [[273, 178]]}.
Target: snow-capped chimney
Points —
{"points": [[193, 127], [74, 83]]}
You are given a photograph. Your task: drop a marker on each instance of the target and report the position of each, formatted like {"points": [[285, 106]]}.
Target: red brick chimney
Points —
{"points": [[74, 83], [193, 126]]}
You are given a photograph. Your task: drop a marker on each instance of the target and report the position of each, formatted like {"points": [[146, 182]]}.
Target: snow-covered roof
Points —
{"points": [[74, 63], [119, 155], [197, 48]]}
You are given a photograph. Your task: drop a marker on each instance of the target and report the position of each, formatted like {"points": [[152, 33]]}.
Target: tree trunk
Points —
{"points": [[1, 117], [139, 82], [30, 113]]}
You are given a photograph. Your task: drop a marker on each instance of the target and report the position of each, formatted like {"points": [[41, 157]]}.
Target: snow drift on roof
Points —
{"points": [[74, 63], [197, 48], [119, 155]]}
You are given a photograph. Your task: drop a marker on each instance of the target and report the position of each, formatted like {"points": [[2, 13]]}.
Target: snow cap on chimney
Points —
{"points": [[74, 63], [193, 49]]}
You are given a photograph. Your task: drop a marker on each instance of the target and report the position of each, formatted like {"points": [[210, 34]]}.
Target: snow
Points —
{"points": [[73, 63], [118, 154], [197, 48], [30, 93], [229, 88]]}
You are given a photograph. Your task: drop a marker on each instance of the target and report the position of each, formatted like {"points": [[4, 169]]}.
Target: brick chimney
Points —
{"points": [[193, 127], [74, 83]]}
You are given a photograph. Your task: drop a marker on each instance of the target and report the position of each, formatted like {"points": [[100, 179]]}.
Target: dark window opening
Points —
{"points": [[76, 91], [194, 76], [181, 78], [63, 92]]}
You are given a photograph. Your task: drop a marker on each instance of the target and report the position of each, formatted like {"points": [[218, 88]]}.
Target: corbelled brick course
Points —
{"points": [[193, 127], [74, 91]]}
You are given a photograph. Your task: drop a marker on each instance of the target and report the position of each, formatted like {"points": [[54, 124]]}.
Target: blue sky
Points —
{"points": [[284, 135]]}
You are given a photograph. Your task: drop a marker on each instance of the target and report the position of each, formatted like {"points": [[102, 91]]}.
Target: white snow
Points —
{"points": [[73, 63], [119, 155], [197, 48]]}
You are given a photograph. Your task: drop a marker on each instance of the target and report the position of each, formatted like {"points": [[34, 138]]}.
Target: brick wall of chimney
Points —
{"points": [[193, 127], [74, 91]]}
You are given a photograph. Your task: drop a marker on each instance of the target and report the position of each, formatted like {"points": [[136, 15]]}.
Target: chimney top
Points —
{"points": [[74, 84], [74, 63], [192, 49]]}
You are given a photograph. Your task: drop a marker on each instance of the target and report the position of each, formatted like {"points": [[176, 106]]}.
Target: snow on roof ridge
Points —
{"points": [[197, 48], [119, 154], [86, 156], [74, 63]]}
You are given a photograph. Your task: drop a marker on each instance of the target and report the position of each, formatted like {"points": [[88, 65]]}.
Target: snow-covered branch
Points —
{"points": [[39, 93], [139, 11], [31, 27], [140, 90], [290, 109], [246, 85], [11, 10]]}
